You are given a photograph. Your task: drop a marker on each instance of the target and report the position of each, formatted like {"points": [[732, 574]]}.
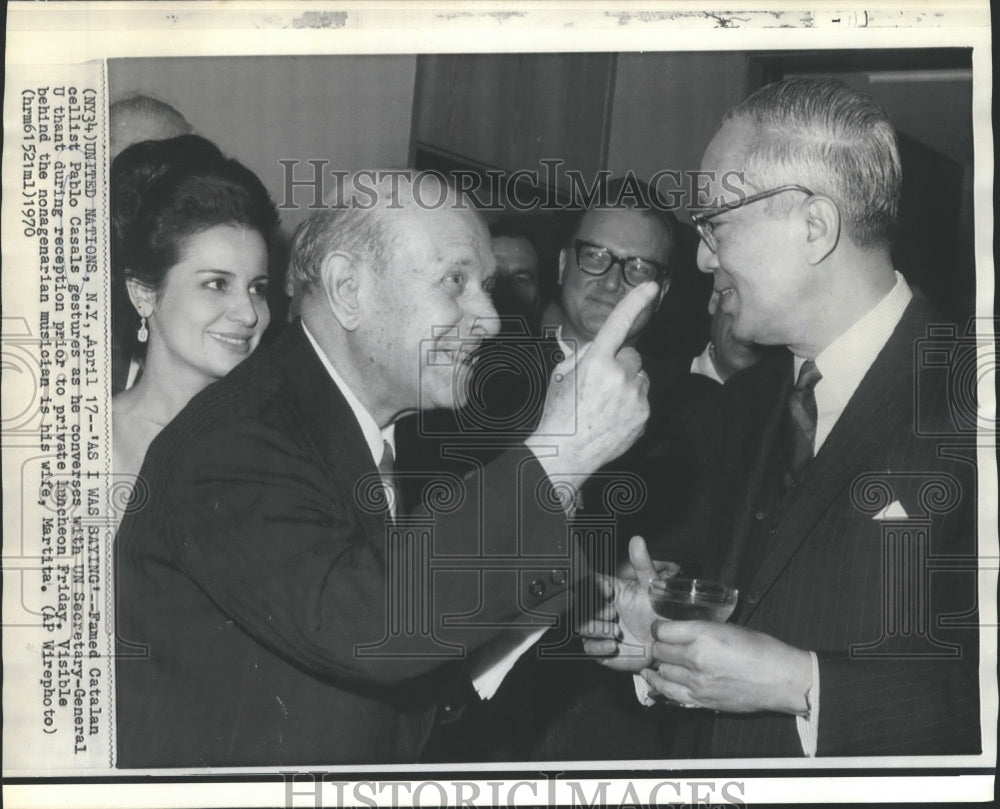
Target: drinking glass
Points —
{"points": [[681, 599]]}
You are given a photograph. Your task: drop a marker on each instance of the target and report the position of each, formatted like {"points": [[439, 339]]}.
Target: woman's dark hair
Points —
{"points": [[162, 193]]}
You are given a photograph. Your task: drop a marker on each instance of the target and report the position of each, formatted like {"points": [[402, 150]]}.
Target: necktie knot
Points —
{"points": [[387, 466], [809, 375]]}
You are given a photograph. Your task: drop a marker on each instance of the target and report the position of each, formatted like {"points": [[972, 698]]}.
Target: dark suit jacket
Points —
{"points": [[258, 568], [869, 596]]}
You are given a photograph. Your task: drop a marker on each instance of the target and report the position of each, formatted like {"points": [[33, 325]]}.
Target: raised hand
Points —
{"points": [[596, 405], [620, 637]]}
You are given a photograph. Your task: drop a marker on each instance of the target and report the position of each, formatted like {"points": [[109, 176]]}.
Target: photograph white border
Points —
{"points": [[74, 33]]}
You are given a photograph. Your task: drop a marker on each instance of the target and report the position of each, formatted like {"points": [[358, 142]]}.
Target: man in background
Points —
{"points": [[138, 117], [625, 239], [724, 355], [517, 293]]}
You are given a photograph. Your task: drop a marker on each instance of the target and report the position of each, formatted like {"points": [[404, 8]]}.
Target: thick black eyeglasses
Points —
{"points": [[701, 220], [594, 259]]}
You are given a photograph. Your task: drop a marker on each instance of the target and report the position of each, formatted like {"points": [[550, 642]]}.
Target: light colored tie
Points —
{"points": [[387, 469]]}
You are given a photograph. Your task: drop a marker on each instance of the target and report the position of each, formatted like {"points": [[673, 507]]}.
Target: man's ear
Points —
{"points": [[823, 228], [142, 296], [341, 277], [562, 263]]}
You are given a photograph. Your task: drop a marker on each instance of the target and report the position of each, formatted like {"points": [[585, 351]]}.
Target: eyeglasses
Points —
{"points": [[701, 220], [596, 260]]}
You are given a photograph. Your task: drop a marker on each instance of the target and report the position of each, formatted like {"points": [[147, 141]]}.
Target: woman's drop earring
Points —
{"points": [[143, 334]]}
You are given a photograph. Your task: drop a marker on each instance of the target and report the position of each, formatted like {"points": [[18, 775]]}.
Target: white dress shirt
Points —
{"points": [[847, 359], [567, 349], [704, 365], [375, 436]]}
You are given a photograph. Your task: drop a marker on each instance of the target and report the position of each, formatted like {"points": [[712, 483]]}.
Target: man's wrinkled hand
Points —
{"points": [[620, 636], [603, 391], [728, 668]]}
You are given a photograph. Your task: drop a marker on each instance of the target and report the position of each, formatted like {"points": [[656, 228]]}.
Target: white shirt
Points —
{"points": [[704, 365], [375, 437], [847, 359], [567, 349]]}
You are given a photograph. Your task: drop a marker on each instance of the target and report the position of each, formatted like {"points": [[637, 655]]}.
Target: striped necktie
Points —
{"points": [[800, 424], [387, 469]]}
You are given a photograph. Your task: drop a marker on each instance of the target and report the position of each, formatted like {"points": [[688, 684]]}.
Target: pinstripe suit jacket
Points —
{"points": [[885, 603], [249, 582]]}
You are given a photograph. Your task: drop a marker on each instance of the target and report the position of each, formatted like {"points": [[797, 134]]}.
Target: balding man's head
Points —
{"points": [[363, 218], [394, 282], [139, 118]]}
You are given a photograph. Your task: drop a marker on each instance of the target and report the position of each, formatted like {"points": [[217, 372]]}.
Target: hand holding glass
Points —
{"points": [[678, 599]]}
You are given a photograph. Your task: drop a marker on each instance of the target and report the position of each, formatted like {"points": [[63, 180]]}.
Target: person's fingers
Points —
{"points": [[605, 585], [642, 563], [664, 569], [675, 674], [616, 328], [631, 362], [607, 611], [595, 629], [675, 654], [600, 648], [668, 688], [680, 633]]}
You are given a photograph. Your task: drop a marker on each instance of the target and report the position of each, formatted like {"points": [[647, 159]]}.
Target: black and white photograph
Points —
{"points": [[481, 417]]}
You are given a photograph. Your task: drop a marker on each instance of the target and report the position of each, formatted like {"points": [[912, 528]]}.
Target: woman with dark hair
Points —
{"points": [[190, 241]]}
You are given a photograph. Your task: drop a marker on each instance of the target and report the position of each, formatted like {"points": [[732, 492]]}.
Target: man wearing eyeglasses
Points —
{"points": [[612, 250], [850, 637]]}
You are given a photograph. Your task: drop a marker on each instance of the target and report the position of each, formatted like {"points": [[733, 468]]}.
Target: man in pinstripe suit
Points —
{"points": [[839, 479]]}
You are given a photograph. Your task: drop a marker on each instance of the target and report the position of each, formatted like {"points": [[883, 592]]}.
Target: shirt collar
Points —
{"points": [[847, 359], [567, 349], [374, 436], [704, 365]]}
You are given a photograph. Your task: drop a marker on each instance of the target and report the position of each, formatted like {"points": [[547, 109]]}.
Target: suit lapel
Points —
{"points": [[755, 404], [881, 402], [332, 423]]}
